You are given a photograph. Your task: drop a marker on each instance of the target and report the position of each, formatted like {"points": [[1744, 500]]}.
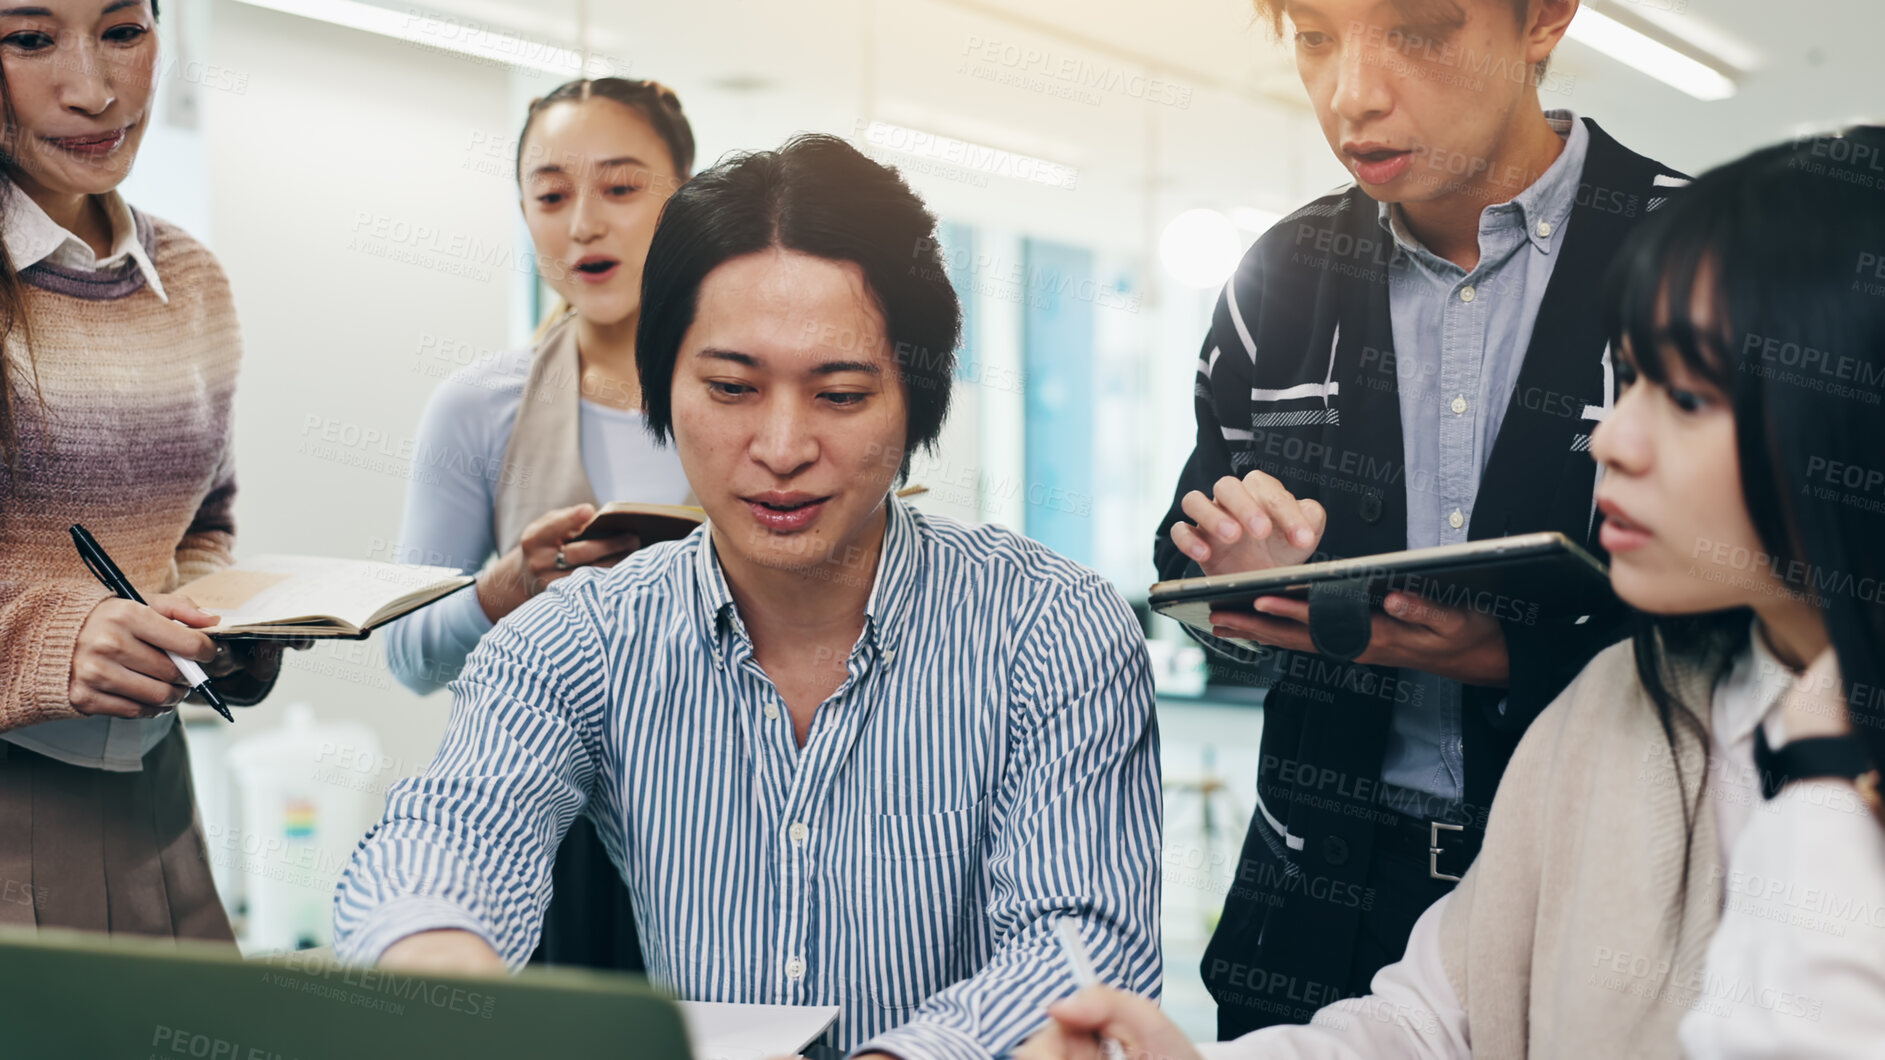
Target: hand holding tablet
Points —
{"points": [[1444, 605]]}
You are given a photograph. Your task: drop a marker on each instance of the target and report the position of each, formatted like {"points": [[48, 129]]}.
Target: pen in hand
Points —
{"points": [[113, 579], [1067, 930]]}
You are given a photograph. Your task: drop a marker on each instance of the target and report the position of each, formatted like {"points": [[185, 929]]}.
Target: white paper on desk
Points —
{"points": [[718, 1030]]}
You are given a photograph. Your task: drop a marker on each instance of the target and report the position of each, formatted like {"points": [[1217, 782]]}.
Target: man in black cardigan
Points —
{"points": [[1416, 359]]}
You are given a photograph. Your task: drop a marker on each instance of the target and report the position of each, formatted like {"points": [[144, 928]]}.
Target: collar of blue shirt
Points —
{"points": [[1539, 211], [899, 572]]}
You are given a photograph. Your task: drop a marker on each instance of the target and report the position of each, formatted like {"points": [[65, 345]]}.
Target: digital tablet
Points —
{"points": [[1516, 579]]}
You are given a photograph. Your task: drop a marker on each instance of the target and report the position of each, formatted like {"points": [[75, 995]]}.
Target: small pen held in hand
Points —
{"points": [[113, 579], [1084, 974]]}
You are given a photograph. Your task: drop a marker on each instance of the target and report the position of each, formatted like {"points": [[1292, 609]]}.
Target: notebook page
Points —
{"points": [[348, 589], [724, 1031]]}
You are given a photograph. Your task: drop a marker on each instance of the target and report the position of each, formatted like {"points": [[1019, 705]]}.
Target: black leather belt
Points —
{"points": [[1442, 847]]}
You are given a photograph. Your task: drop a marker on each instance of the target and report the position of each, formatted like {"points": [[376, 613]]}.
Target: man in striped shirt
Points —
{"points": [[841, 752]]}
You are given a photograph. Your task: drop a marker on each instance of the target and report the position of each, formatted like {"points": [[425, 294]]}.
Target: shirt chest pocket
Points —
{"points": [[916, 887], [916, 837]]}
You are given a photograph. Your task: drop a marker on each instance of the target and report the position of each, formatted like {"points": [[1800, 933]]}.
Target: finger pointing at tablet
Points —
{"points": [[1247, 524]]}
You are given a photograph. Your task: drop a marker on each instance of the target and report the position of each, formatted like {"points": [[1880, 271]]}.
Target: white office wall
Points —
{"points": [[370, 234], [170, 179]]}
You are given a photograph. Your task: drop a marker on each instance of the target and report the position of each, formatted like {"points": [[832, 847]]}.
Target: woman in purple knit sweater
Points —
{"points": [[115, 386]]}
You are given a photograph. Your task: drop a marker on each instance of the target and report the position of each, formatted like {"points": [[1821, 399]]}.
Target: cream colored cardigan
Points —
{"points": [[1571, 935]]}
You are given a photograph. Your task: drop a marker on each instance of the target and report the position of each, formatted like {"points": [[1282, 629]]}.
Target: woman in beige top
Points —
{"points": [[532, 440], [1742, 490]]}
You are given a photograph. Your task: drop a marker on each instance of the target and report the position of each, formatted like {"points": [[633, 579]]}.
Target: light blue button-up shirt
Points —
{"points": [[1459, 341], [988, 766]]}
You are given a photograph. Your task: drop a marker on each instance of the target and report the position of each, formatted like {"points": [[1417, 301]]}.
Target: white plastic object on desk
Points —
{"points": [[300, 807]]}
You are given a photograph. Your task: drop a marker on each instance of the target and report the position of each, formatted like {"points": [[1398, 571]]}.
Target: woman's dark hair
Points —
{"points": [[655, 102], [819, 196], [1762, 278], [13, 320]]}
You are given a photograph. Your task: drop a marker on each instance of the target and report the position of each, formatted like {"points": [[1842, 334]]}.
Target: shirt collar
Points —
{"points": [[31, 237], [1540, 209], [899, 568], [1545, 205], [1752, 689]]}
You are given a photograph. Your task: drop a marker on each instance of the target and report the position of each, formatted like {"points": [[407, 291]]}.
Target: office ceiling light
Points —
{"points": [[1633, 48], [1200, 248], [445, 33], [967, 155]]}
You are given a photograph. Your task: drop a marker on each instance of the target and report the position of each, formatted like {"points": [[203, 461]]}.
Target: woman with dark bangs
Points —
{"points": [[1743, 496]]}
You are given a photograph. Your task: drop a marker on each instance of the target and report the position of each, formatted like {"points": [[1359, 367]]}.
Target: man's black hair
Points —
{"points": [[819, 196]]}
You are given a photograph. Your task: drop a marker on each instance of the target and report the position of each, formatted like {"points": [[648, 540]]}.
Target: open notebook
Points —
{"points": [[723, 1031], [315, 597]]}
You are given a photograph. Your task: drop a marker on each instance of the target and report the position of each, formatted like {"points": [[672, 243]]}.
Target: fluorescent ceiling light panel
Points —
{"points": [[1723, 50], [444, 32], [967, 154], [1632, 48]]}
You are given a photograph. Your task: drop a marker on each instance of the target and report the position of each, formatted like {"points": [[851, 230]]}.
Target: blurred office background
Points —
{"points": [[1098, 165]]}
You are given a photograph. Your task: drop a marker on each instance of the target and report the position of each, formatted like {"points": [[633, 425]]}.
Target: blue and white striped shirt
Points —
{"points": [[988, 766]]}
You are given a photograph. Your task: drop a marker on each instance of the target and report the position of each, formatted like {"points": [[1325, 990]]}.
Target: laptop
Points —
{"points": [[71, 994]]}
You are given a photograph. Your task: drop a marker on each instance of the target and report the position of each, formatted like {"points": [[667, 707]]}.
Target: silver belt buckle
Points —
{"points": [[1433, 849]]}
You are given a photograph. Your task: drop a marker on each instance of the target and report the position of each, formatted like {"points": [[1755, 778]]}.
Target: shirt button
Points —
{"points": [[1459, 405], [794, 968], [1467, 293], [798, 832], [1544, 229], [772, 712], [1455, 519]]}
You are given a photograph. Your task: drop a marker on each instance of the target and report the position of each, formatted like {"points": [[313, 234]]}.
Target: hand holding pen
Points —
{"points": [[1100, 1022], [131, 656]]}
